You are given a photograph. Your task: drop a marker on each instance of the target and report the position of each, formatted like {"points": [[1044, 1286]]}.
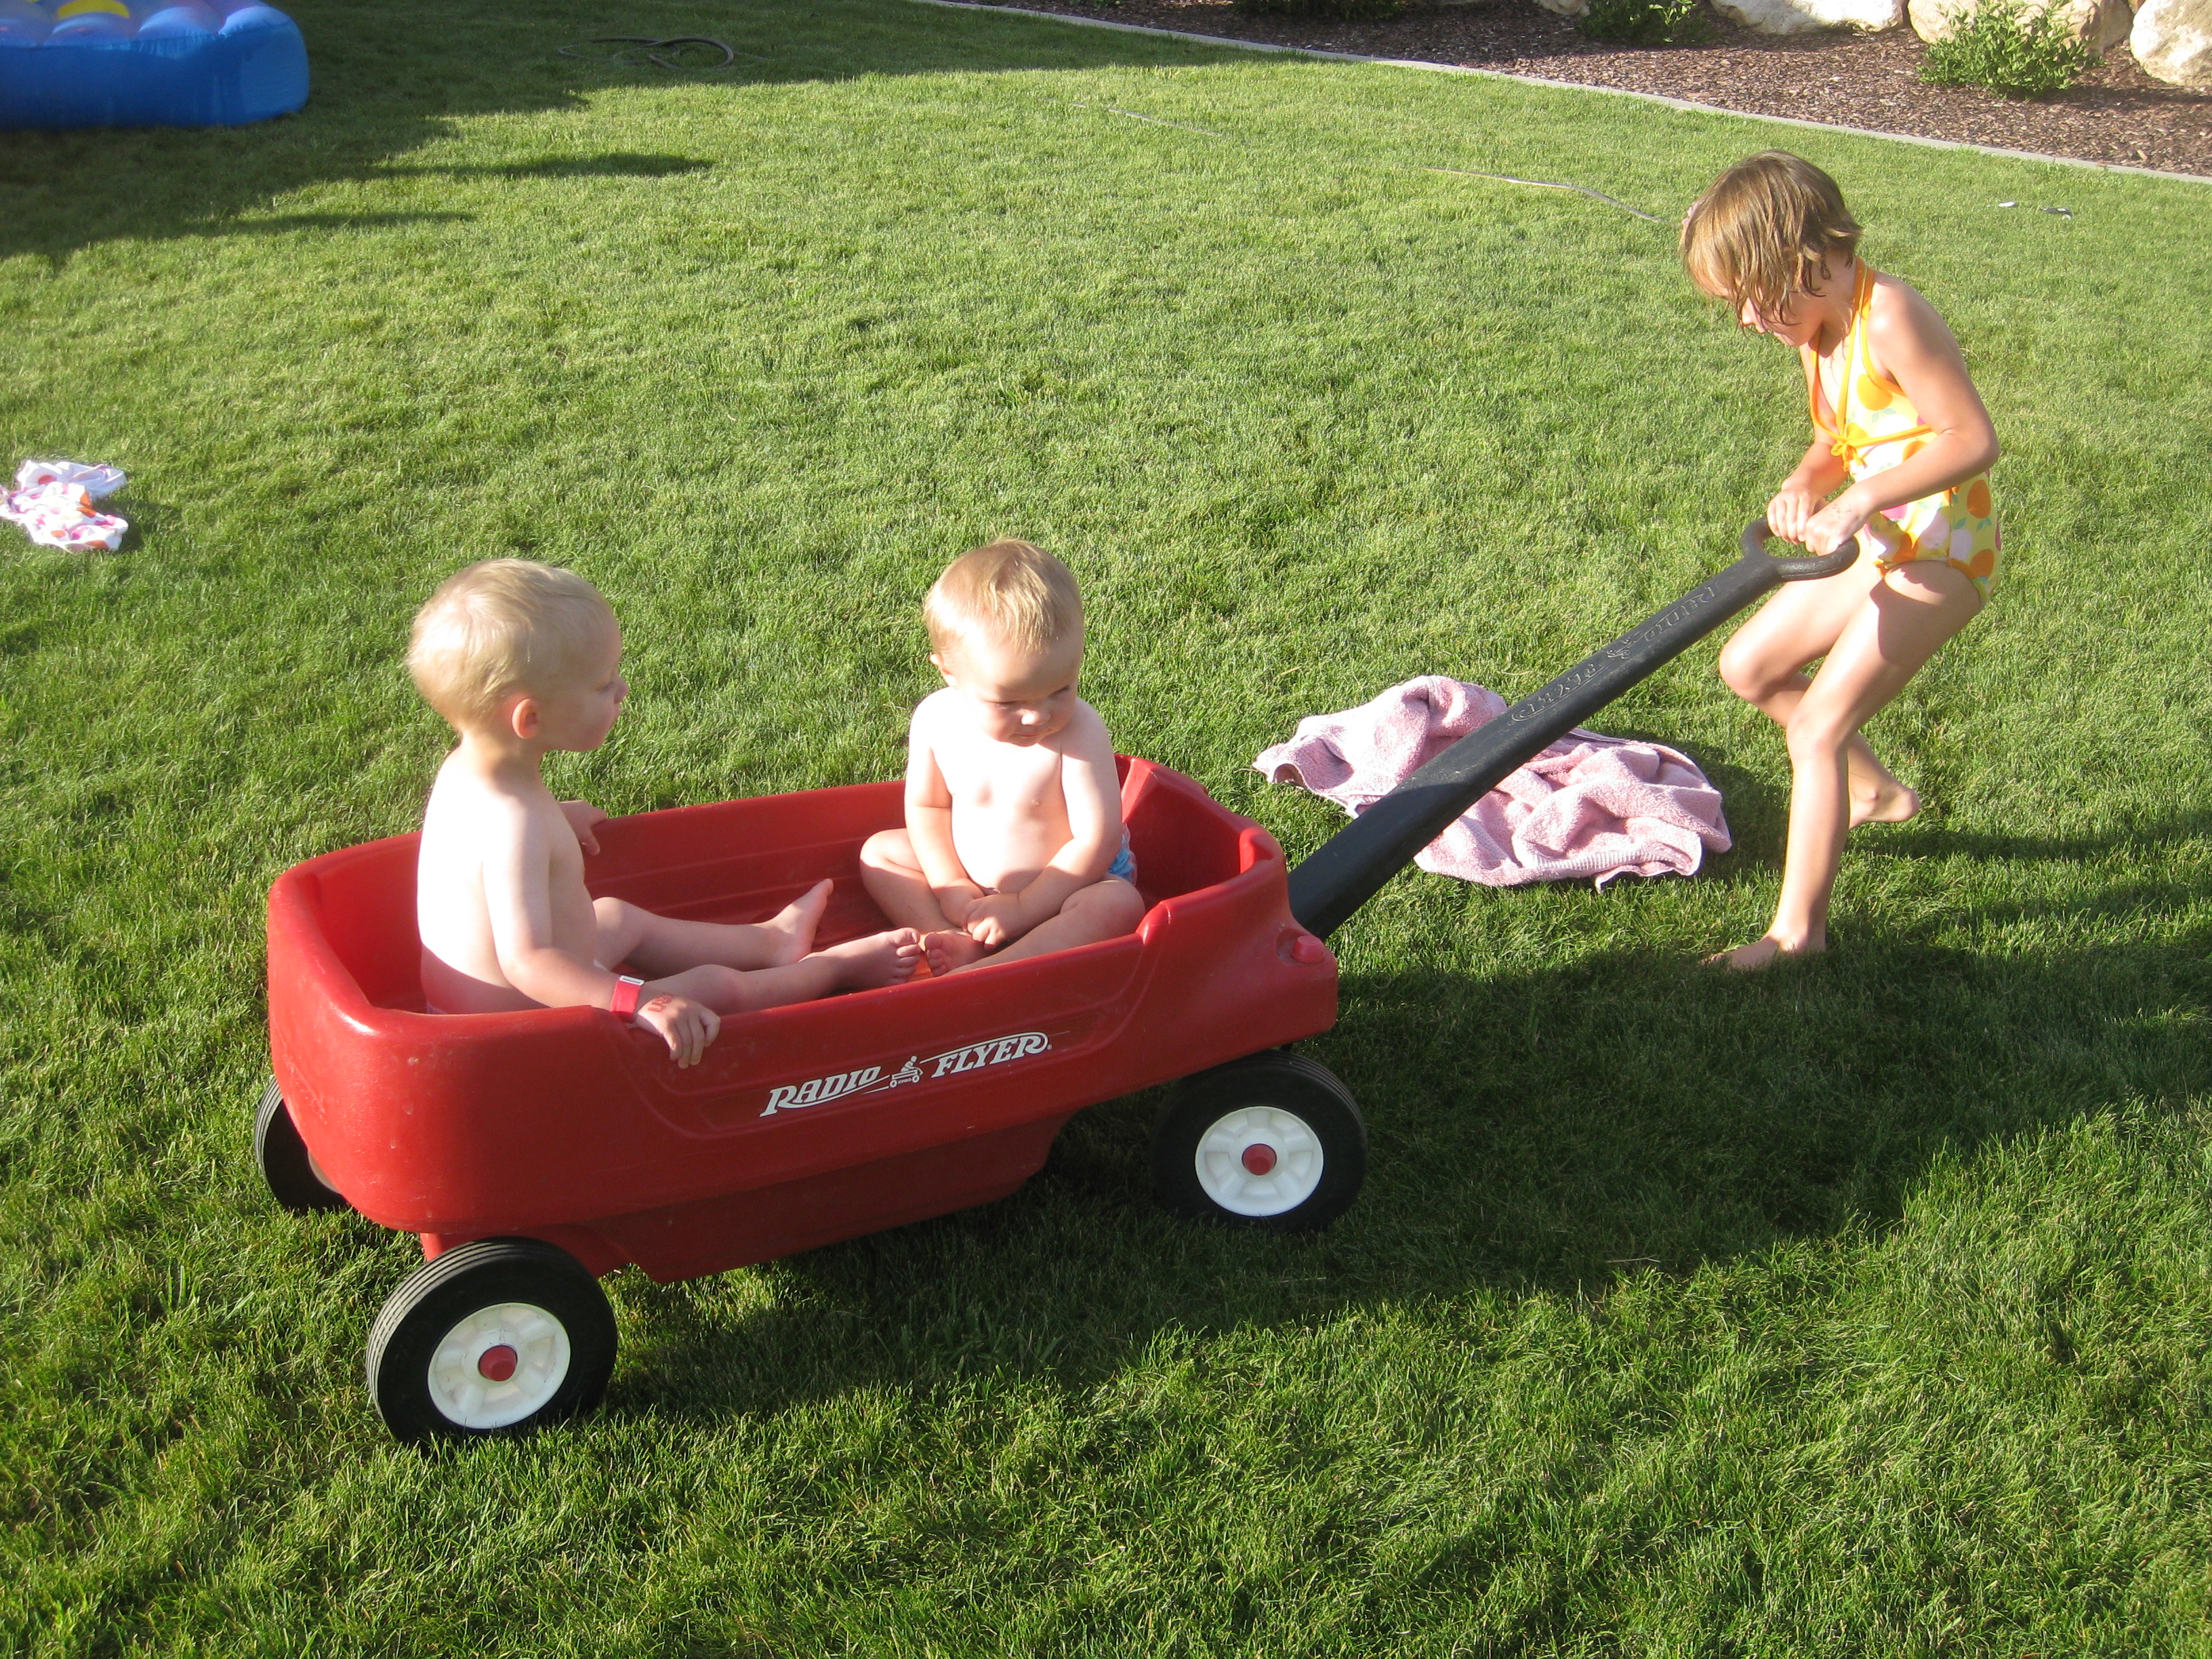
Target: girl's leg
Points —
{"points": [[1763, 661], [658, 946], [1903, 620]]}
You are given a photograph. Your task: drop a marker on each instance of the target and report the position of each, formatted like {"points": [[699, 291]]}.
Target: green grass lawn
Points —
{"points": [[1863, 1308]]}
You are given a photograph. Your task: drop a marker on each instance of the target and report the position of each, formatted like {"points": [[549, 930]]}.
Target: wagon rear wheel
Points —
{"points": [[286, 1164], [1272, 1140], [499, 1336]]}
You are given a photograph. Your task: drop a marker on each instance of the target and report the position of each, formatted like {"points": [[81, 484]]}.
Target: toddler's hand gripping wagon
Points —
{"points": [[534, 1151]]}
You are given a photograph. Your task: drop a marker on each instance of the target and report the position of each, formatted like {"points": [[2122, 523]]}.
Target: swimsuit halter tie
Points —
{"points": [[1840, 444]]}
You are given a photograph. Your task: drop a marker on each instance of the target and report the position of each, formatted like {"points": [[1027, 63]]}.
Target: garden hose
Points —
{"points": [[1546, 184]]}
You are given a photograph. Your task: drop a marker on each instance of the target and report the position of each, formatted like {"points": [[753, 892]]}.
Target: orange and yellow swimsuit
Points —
{"points": [[1876, 428]]}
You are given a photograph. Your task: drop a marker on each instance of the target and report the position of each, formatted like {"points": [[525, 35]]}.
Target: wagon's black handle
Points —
{"points": [[1352, 866], [1803, 567]]}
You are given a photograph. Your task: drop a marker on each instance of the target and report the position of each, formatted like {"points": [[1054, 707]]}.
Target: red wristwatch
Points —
{"points": [[624, 1006]]}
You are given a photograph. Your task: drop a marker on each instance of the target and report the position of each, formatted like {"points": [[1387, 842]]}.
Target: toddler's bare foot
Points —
{"points": [[949, 950], [1763, 952], [879, 959], [794, 925], [1887, 802]]}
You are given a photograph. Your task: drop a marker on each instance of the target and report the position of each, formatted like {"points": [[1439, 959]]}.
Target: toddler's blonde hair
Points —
{"points": [[1008, 591], [503, 627], [1767, 227]]}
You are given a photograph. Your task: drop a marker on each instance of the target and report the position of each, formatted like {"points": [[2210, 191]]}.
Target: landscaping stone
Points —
{"points": [[1796, 17], [2173, 39], [2103, 24]]}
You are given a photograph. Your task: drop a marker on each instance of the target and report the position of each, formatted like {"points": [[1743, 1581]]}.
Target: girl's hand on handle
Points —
{"points": [[687, 1027], [1794, 507], [1834, 524]]}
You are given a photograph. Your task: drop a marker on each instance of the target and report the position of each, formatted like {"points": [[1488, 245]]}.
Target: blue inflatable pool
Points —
{"points": [[148, 62]]}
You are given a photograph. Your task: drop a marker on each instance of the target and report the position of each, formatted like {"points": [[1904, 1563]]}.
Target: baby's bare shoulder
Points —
{"points": [[930, 712], [463, 789], [468, 813], [1085, 731], [933, 724]]}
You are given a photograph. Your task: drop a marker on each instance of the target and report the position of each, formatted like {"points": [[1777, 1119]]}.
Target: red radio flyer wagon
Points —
{"points": [[534, 1151]]}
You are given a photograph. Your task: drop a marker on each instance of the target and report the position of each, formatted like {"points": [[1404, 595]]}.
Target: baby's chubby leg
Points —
{"points": [[894, 879], [859, 964], [1105, 909], [735, 968], [661, 945]]}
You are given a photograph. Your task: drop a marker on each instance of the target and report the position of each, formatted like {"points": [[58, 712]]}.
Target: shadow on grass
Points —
{"points": [[285, 224], [1545, 1133], [618, 165], [387, 80]]}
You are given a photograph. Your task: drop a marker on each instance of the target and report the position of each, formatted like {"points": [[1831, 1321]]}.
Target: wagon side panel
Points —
{"points": [[442, 1123], [716, 1234]]}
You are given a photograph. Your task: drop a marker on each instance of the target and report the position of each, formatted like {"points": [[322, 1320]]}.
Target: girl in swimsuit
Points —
{"points": [[1898, 421]]}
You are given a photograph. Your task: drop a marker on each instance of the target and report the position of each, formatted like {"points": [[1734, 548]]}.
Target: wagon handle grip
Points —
{"points": [[1801, 567]]}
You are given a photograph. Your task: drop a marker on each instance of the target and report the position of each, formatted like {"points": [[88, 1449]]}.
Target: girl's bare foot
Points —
{"points": [[1888, 801], [1763, 952], [948, 950], [886, 958], [794, 925]]}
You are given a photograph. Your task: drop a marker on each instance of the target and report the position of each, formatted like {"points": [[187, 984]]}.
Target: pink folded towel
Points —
{"points": [[1589, 806]]}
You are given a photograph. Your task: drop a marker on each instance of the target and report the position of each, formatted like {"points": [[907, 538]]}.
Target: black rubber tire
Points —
{"points": [[1289, 1083], [441, 1294], [284, 1159]]}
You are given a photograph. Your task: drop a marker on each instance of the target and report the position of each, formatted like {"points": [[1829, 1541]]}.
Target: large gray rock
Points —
{"points": [[2173, 39], [1566, 8], [2103, 24], [1795, 16]]}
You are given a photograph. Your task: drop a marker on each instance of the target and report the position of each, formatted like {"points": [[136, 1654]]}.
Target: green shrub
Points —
{"points": [[1646, 22], [1346, 11], [2002, 47]]}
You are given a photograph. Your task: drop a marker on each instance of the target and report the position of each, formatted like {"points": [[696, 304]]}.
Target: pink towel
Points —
{"points": [[1589, 806]]}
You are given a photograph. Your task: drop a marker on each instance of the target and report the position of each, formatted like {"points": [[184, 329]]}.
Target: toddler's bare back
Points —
{"points": [[484, 840]]}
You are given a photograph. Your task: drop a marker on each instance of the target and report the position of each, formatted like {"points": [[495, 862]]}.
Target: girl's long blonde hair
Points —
{"points": [[1766, 228]]}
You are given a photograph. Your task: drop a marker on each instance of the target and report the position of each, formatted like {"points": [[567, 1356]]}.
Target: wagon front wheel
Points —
{"points": [[286, 1164], [496, 1337], [1272, 1140]]}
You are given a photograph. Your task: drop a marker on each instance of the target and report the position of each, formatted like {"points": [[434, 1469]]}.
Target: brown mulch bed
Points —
{"points": [[2119, 114]]}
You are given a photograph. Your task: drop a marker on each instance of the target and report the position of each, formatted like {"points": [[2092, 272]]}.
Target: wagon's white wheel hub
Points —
{"points": [[1259, 1160], [498, 1365]]}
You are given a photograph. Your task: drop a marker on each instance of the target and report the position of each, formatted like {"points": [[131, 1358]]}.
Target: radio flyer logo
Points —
{"points": [[871, 1080]]}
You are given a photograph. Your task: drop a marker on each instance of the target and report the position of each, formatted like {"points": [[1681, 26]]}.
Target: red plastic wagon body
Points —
{"points": [[803, 1125]]}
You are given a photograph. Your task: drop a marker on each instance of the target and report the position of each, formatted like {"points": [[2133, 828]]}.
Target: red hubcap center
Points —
{"points": [[1259, 1157], [496, 1364]]}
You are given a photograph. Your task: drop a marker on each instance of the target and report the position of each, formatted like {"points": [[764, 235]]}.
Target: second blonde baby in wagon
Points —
{"points": [[1014, 844]]}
